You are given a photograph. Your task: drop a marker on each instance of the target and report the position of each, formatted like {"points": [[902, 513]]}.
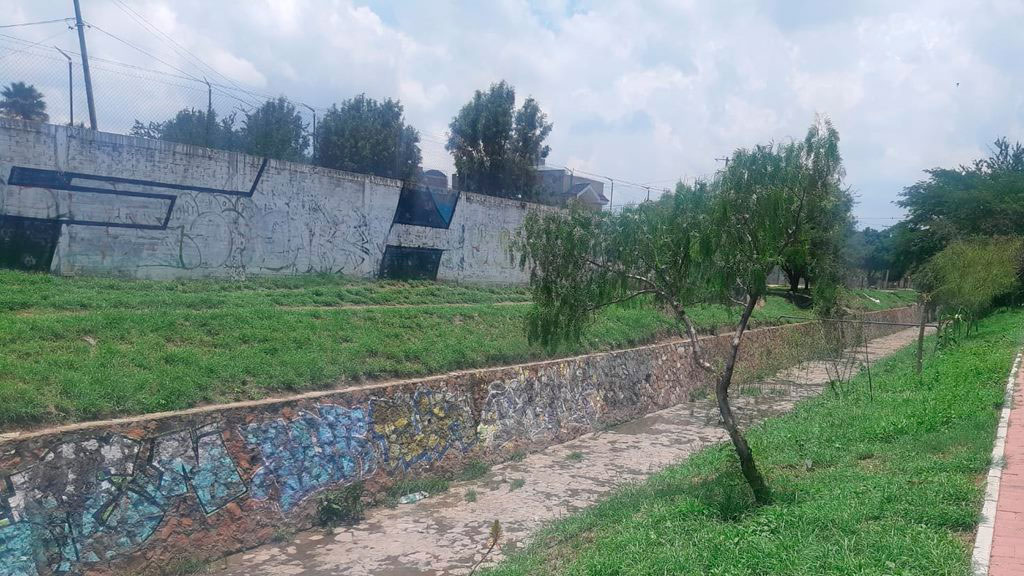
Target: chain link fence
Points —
{"points": [[126, 93]]}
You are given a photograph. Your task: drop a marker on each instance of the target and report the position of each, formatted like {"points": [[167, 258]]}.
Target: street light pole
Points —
{"points": [[611, 195], [71, 88], [85, 66]]}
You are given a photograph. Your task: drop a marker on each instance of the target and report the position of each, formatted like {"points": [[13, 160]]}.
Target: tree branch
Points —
{"points": [[623, 299], [616, 270], [698, 351]]}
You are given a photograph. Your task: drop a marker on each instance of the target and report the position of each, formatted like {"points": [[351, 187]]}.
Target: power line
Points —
{"points": [[178, 48], [134, 47], [35, 23], [220, 88], [30, 45], [617, 180]]}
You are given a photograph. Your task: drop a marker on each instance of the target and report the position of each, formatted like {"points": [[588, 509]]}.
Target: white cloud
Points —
{"points": [[641, 91]]}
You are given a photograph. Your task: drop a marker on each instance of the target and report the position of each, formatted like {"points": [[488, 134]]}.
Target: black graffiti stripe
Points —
{"points": [[43, 178], [21, 176], [259, 174], [108, 191], [93, 223]]}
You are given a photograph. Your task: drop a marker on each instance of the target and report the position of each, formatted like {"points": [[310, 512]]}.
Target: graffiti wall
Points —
{"points": [[74, 201], [118, 497]]}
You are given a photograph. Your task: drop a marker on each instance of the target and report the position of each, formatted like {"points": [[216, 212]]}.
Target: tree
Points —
{"points": [[712, 242], [275, 130], [827, 230], [370, 137], [496, 147], [23, 101], [194, 127], [983, 199], [967, 277], [874, 252]]}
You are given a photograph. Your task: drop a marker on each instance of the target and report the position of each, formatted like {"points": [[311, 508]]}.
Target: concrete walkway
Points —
{"points": [[1007, 545], [446, 534]]}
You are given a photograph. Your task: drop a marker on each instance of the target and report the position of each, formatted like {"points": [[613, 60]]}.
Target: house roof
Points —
{"points": [[578, 190]]}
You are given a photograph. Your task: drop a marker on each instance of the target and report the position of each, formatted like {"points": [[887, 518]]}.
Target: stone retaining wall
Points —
{"points": [[121, 496]]}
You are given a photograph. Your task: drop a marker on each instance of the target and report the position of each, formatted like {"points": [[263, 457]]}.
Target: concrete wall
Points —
{"points": [[127, 206], [116, 497]]}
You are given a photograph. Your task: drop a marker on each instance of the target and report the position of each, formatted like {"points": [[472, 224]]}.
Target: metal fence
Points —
{"points": [[126, 93]]}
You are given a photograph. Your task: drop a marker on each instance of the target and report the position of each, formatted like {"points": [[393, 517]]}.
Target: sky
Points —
{"points": [[645, 92]]}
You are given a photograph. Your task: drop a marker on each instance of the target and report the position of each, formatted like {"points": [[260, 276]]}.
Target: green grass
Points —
{"points": [[430, 484], [884, 487], [473, 470], [75, 349], [864, 299], [42, 292]]}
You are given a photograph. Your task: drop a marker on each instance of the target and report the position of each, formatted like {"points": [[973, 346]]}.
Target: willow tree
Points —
{"points": [[714, 241]]}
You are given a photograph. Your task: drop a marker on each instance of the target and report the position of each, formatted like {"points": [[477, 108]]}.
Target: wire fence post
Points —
{"points": [[920, 333], [71, 88]]}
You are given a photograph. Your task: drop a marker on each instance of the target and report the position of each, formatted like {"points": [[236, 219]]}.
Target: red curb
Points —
{"points": [[1008, 536]]}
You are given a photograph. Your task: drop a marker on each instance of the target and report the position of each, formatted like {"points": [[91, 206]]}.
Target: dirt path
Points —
{"points": [[446, 534]]}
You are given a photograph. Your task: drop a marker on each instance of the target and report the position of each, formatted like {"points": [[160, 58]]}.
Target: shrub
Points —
{"points": [[967, 277], [341, 507], [474, 470]]}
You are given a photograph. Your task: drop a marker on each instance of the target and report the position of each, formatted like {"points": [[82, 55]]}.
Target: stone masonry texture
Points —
{"points": [[110, 497]]}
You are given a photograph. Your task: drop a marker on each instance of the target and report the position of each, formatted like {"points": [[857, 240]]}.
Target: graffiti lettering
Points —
{"points": [[534, 408], [422, 426], [92, 500], [311, 452]]}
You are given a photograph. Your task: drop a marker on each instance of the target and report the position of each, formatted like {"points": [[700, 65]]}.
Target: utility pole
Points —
{"points": [[71, 88], [209, 110], [85, 66], [311, 109], [611, 195]]}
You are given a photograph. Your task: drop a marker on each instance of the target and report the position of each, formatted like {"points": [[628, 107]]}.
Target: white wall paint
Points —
{"points": [[299, 218]]}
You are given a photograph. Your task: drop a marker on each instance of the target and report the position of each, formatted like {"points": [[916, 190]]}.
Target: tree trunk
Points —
{"points": [[793, 277], [794, 283], [749, 468], [723, 380]]}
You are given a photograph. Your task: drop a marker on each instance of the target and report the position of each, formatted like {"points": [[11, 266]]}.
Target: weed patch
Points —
{"points": [[473, 470], [342, 507], [574, 457], [429, 484]]}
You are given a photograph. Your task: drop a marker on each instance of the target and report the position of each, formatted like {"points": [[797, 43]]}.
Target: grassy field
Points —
{"points": [[82, 348], [889, 486]]}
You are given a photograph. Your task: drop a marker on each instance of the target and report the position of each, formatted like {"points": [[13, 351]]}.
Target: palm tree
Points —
{"points": [[23, 101]]}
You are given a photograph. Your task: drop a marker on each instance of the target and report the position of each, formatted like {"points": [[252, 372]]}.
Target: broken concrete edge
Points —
{"points": [[982, 554], [19, 435], [102, 497]]}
